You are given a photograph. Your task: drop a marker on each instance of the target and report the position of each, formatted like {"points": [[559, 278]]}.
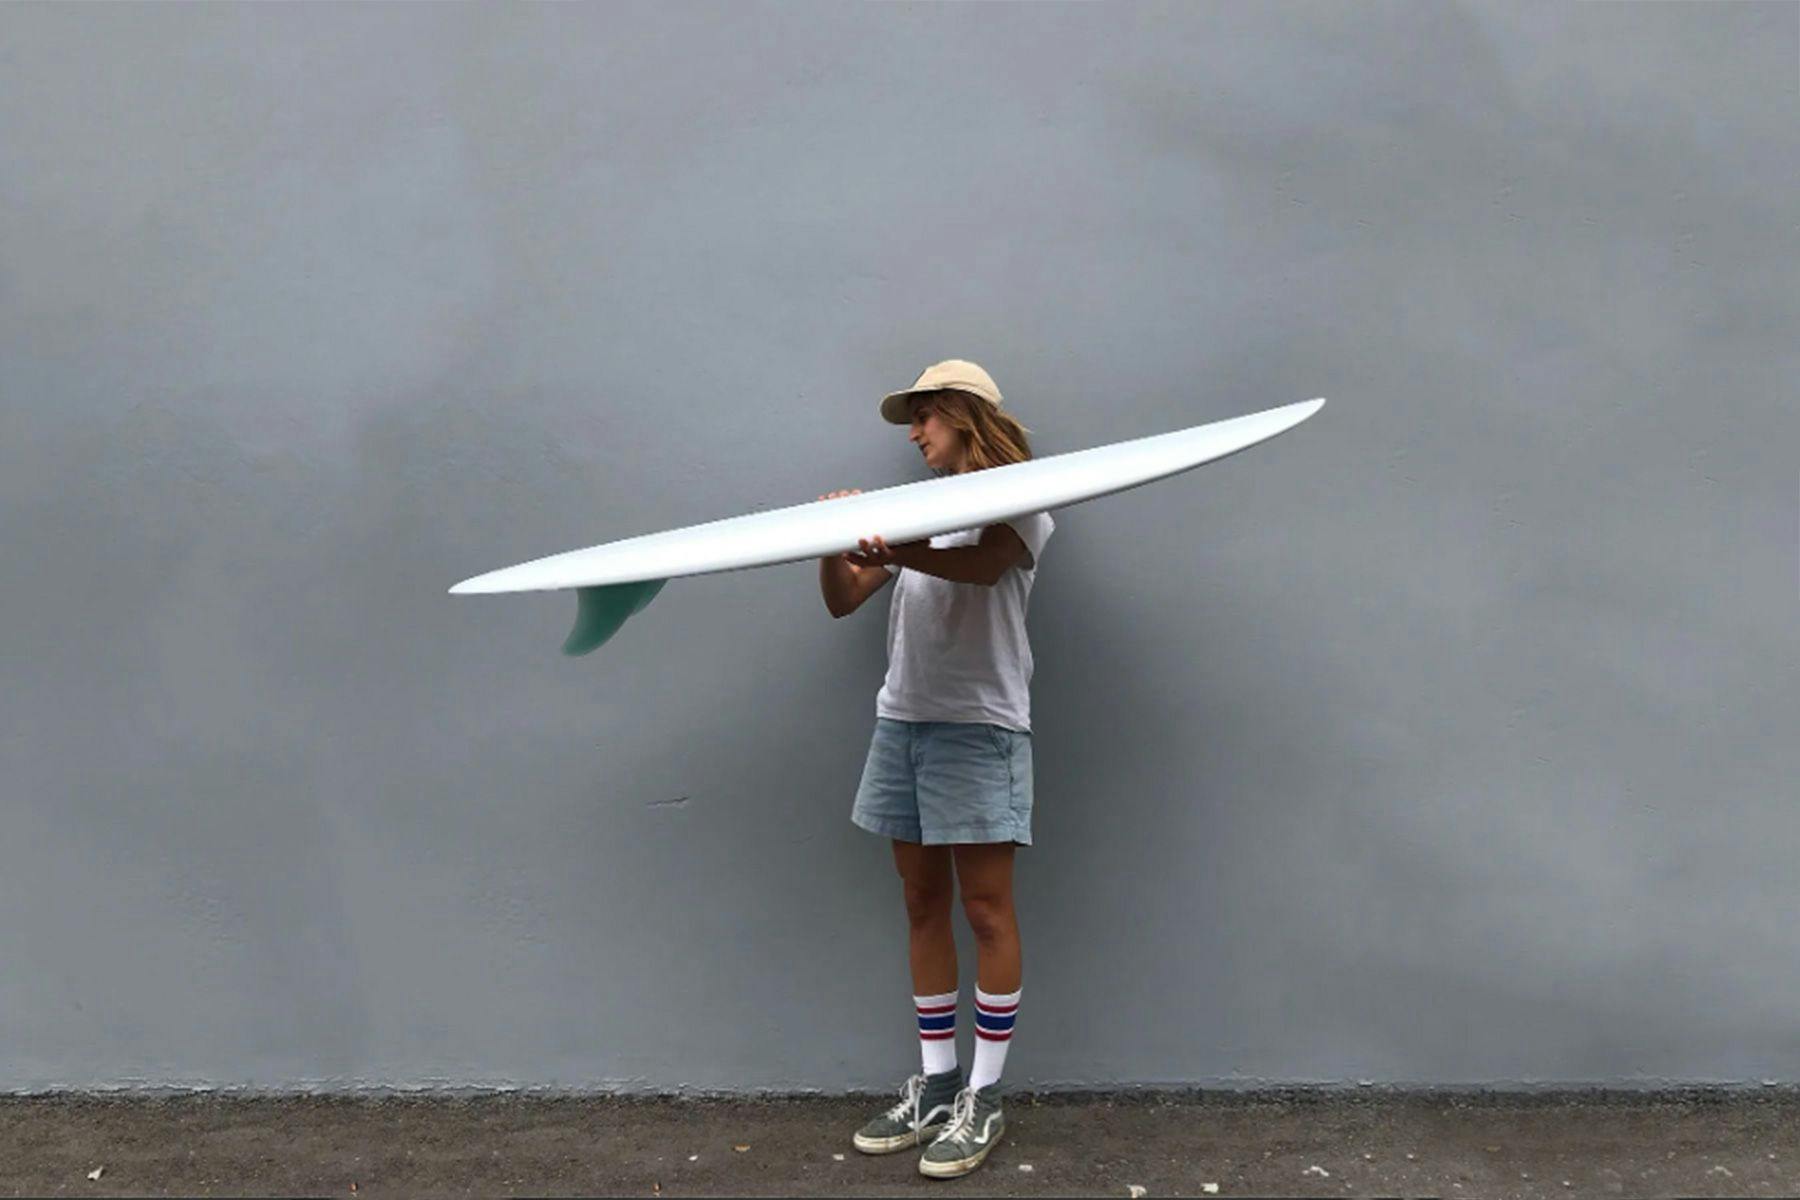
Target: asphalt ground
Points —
{"points": [[1722, 1142]]}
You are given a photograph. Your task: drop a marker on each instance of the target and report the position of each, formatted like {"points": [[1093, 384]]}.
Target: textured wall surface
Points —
{"points": [[1448, 739]]}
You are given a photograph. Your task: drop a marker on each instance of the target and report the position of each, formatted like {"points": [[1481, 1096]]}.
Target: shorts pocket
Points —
{"points": [[1007, 747]]}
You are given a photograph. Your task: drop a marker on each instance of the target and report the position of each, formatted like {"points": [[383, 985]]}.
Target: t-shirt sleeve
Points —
{"points": [[1034, 530]]}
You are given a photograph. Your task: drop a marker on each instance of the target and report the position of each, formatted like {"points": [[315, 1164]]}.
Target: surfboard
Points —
{"points": [[615, 580]]}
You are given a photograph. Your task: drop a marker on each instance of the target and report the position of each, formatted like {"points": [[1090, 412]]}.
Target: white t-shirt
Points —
{"points": [[958, 651]]}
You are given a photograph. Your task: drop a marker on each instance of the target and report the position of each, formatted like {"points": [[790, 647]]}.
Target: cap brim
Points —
{"points": [[894, 408]]}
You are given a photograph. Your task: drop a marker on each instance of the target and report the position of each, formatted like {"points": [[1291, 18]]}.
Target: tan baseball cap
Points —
{"points": [[956, 373]]}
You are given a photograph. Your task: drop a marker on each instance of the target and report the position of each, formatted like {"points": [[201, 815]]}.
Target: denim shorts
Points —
{"points": [[936, 782]]}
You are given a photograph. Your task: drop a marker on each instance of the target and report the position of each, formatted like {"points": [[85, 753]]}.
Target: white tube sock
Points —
{"points": [[937, 1031], [993, 1034]]}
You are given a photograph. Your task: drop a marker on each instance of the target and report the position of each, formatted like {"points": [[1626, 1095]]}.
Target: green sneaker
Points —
{"points": [[976, 1124], [926, 1103]]}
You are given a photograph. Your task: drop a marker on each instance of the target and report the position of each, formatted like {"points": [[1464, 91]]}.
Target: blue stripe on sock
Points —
{"points": [[947, 1021], [994, 1024]]}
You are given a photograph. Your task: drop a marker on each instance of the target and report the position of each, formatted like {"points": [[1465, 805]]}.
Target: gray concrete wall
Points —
{"points": [[1447, 739]]}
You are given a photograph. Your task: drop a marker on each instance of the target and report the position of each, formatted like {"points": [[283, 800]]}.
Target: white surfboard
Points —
{"points": [[618, 579]]}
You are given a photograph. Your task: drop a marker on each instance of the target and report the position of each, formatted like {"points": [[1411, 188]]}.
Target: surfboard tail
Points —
{"points": [[602, 609]]}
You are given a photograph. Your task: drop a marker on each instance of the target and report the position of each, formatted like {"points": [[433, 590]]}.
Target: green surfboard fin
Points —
{"points": [[602, 609]]}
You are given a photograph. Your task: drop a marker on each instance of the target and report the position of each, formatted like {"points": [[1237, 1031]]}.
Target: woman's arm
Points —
{"points": [[847, 586], [983, 563], [958, 564]]}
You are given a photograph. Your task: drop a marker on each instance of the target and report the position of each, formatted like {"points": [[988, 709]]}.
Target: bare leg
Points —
{"points": [[984, 873], [929, 889]]}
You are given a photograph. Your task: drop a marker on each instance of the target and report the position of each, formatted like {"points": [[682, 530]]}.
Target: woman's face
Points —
{"points": [[941, 444]]}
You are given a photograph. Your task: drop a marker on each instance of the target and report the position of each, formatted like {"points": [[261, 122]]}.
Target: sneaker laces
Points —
{"points": [[962, 1117], [908, 1108]]}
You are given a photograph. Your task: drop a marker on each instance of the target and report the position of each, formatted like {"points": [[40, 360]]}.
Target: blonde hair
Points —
{"points": [[993, 436]]}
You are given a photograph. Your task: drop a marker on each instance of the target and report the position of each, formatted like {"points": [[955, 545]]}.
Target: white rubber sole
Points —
{"points": [[900, 1141], [961, 1166]]}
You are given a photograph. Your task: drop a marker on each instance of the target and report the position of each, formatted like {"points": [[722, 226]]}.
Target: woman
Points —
{"points": [[948, 775]]}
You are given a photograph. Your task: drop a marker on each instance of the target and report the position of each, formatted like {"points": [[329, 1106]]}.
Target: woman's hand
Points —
{"points": [[871, 552], [851, 558]]}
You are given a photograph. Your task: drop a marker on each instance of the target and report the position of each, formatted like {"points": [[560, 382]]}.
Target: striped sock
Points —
{"points": [[937, 1031], [993, 1034]]}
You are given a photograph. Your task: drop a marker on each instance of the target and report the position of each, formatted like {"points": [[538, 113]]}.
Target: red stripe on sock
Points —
{"points": [[934, 1010], [1000, 1011], [938, 1036], [993, 1037]]}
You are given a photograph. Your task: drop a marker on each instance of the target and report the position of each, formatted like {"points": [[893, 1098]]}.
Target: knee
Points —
{"points": [[990, 917], [926, 904]]}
